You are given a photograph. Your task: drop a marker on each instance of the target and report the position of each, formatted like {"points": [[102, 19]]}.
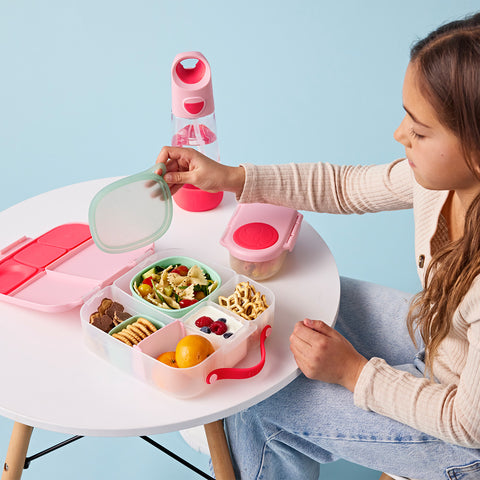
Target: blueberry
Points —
{"points": [[224, 320], [205, 330], [227, 335]]}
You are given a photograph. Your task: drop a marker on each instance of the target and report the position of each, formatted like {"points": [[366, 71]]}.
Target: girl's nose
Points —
{"points": [[401, 134]]}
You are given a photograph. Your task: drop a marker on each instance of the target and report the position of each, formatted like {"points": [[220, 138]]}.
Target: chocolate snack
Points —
{"points": [[119, 317], [104, 304], [108, 315]]}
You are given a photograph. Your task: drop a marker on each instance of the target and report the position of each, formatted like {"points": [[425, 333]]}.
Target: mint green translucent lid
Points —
{"points": [[131, 212]]}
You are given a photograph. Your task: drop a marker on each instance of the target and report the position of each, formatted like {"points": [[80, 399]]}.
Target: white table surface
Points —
{"points": [[50, 380]]}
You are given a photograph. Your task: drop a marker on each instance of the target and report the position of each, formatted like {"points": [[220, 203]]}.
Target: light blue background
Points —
{"points": [[85, 93]]}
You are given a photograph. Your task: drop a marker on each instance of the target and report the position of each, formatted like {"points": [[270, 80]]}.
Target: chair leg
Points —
{"points": [[17, 451], [217, 444]]}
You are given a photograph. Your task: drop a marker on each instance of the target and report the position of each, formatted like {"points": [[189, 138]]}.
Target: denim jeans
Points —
{"points": [[289, 435]]}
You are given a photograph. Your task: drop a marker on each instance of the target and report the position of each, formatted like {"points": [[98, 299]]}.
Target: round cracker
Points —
{"points": [[122, 339], [134, 327], [148, 324], [126, 334], [130, 335], [143, 328], [131, 331]]}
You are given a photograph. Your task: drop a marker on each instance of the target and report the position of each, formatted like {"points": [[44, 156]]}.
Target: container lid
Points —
{"points": [[259, 232], [58, 270], [255, 235], [131, 212]]}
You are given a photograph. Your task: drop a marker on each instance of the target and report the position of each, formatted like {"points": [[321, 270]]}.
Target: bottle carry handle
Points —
{"points": [[192, 91], [241, 373]]}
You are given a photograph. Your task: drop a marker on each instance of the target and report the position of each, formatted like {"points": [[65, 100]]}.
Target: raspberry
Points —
{"points": [[203, 322], [219, 328]]}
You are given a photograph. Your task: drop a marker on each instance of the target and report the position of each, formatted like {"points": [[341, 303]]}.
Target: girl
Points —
{"points": [[402, 394]]}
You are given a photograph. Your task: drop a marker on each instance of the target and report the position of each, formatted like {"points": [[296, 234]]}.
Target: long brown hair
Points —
{"points": [[448, 63]]}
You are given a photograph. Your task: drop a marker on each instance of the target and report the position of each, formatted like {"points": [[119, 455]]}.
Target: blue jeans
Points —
{"points": [[288, 436]]}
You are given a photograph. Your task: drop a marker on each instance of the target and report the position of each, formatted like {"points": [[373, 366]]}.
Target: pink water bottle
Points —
{"points": [[193, 121]]}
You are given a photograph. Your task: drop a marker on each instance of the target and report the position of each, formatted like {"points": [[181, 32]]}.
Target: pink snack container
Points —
{"points": [[258, 238], [193, 121]]}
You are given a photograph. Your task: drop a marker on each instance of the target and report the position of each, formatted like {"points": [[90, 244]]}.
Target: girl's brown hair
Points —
{"points": [[448, 65]]}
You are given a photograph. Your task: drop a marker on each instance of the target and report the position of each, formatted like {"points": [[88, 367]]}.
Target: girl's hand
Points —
{"points": [[186, 165], [324, 354]]}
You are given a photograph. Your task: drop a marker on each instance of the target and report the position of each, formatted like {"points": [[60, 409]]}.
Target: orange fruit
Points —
{"points": [[191, 350], [168, 358]]}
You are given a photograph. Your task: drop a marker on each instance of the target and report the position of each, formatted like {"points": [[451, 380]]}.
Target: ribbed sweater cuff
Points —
{"points": [[364, 389]]}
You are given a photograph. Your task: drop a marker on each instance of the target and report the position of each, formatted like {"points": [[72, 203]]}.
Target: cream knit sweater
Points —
{"points": [[449, 410]]}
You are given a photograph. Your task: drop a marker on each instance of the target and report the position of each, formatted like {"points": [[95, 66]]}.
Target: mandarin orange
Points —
{"points": [[191, 350], [168, 358]]}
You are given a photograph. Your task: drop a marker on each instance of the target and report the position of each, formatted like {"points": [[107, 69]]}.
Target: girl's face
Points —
{"points": [[433, 151]]}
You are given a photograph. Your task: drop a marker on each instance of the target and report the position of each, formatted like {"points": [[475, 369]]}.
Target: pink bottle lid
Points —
{"points": [[192, 92]]}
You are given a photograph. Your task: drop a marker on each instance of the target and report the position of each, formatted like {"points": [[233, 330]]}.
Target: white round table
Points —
{"points": [[50, 379]]}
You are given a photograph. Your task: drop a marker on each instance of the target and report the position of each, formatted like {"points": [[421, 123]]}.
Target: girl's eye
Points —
{"points": [[414, 134]]}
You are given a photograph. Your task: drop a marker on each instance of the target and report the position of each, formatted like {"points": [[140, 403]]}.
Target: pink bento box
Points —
{"points": [[63, 269]]}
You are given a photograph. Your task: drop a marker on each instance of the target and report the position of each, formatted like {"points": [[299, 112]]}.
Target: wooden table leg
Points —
{"points": [[217, 444], [17, 451]]}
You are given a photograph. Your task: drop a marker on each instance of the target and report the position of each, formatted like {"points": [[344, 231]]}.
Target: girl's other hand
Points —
{"points": [[187, 165], [324, 354]]}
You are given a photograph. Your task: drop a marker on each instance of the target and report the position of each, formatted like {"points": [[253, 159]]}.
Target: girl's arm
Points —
{"points": [[323, 187], [320, 187], [449, 410]]}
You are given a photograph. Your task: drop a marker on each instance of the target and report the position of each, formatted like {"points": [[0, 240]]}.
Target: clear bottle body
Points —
{"points": [[199, 133]]}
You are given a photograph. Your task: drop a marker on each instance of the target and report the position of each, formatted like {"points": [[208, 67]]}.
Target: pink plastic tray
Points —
{"points": [[58, 270]]}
